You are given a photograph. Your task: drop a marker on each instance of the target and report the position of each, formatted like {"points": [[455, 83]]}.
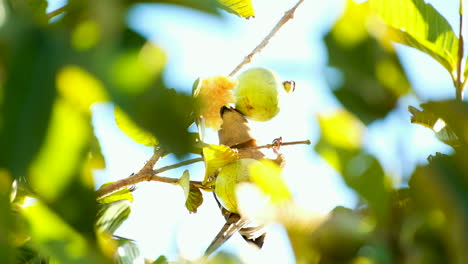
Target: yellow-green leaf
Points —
{"points": [[267, 176], [342, 129], [418, 25], [242, 8], [52, 236], [132, 130], [124, 194], [217, 156], [193, 195], [59, 159], [80, 87]]}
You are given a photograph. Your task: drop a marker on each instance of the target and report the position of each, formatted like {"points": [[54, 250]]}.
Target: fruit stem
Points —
{"points": [[286, 17]]}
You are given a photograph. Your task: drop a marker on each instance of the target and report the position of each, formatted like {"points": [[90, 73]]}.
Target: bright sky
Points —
{"points": [[202, 45]]}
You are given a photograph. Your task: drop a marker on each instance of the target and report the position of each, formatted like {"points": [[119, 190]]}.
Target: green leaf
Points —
{"points": [[123, 194], [373, 78], [110, 216], [430, 120], [161, 260], [209, 6], [340, 145], [242, 8], [193, 195], [132, 130], [7, 253], [267, 176], [53, 237], [440, 190], [419, 25], [32, 57], [216, 157], [127, 252]]}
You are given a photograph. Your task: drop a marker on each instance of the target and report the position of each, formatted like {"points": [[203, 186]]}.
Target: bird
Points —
{"points": [[235, 133]]}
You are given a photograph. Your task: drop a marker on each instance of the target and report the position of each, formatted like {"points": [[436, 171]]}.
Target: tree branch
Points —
{"points": [[286, 17], [307, 142], [57, 12], [147, 174]]}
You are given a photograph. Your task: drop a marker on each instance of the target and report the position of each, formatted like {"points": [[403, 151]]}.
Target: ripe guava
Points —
{"points": [[228, 178], [257, 94]]}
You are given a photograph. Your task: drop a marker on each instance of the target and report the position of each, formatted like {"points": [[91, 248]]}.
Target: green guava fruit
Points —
{"points": [[257, 94], [228, 178]]}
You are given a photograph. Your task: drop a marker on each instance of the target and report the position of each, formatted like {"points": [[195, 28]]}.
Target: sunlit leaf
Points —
{"points": [[242, 8], [80, 88], [55, 238], [216, 157], [340, 146], [69, 132], [123, 194], [86, 35], [418, 25], [111, 215], [136, 70], [267, 176], [224, 258], [430, 120], [372, 76], [161, 260], [209, 6], [132, 130], [127, 252], [7, 252], [193, 195]]}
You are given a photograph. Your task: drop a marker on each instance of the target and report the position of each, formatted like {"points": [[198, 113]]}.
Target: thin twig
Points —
{"points": [[197, 184], [286, 17], [177, 165], [57, 12], [459, 83], [307, 142]]}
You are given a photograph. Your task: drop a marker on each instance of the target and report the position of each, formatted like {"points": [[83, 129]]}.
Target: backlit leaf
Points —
{"points": [[55, 238], [267, 176], [194, 200], [216, 157], [184, 182], [419, 25], [132, 130], [242, 8], [123, 194], [111, 215], [80, 87]]}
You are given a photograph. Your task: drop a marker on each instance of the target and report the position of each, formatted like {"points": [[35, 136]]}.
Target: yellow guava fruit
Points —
{"points": [[257, 94], [228, 178]]}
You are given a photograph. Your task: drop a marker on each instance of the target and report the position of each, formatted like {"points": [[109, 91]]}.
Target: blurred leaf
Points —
{"points": [[373, 78], [32, 58], [209, 6], [123, 194], [7, 253], [216, 157], [68, 132], [267, 176], [111, 215], [160, 260], [95, 158], [55, 238], [441, 191], [128, 252], [339, 238], [224, 258], [340, 146], [420, 26], [31, 8], [430, 120], [135, 70], [242, 8], [80, 88], [132, 130]]}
